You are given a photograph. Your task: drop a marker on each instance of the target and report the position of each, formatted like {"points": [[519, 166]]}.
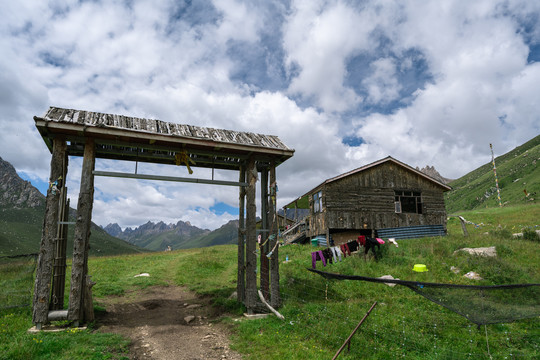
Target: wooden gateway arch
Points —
{"points": [[94, 135]]}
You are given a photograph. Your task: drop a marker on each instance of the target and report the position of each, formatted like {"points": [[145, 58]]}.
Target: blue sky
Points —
{"points": [[344, 83]]}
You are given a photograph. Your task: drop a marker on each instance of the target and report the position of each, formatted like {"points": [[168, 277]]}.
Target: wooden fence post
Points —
{"points": [[42, 285], [275, 299], [79, 267], [251, 237], [241, 279], [265, 233]]}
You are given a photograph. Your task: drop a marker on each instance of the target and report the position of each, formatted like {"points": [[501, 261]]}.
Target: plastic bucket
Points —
{"points": [[315, 242], [420, 268]]}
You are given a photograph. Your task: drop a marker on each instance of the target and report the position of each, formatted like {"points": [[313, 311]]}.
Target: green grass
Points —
{"points": [[320, 314], [17, 343]]}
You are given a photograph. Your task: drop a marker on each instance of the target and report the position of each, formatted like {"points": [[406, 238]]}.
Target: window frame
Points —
{"points": [[407, 200], [317, 202]]}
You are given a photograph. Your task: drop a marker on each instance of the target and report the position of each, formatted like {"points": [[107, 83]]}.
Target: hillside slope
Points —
{"points": [[22, 208], [519, 181]]}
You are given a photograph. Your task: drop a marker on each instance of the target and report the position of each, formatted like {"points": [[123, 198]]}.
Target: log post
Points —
{"points": [[88, 301], [241, 280], [463, 227], [42, 285], [82, 234], [251, 237], [265, 233], [275, 299]]}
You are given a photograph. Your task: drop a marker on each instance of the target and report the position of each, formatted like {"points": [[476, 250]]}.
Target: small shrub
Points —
{"points": [[530, 234]]}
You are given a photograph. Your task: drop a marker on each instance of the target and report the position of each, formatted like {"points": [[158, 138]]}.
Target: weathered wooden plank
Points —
{"points": [[136, 123], [67, 116], [42, 284], [203, 133], [143, 124], [264, 247], [216, 135], [255, 139], [251, 237], [82, 234], [241, 278], [275, 297], [161, 127], [173, 129], [184, 130]]}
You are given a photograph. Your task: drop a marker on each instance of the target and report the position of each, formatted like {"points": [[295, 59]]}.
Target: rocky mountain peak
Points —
{"points": [[113, 229], [432, 172], [16, 192]]}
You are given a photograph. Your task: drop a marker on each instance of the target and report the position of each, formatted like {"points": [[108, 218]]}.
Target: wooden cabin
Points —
{"points": [[386, 198]]}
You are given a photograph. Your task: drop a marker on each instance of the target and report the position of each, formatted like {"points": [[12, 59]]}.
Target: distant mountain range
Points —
{"points": [[181, 235]]}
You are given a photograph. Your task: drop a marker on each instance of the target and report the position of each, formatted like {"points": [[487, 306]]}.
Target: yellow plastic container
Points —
{"points": [[420, 268]]}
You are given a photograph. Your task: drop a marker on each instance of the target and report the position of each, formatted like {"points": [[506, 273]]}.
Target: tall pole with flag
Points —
{"points": [[495, 173]]}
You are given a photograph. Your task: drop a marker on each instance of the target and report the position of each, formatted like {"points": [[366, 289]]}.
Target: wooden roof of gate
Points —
{"points": [[155, 141]]}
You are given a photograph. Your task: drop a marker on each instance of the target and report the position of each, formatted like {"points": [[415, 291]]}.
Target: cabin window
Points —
{"points": [[317, 202], [406, 201]]}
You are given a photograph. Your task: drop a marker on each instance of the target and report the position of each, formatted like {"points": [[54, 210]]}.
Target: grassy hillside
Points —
{"points": [[517, 170], [227, 234], [20, 233], [155, 242], [319, 313]]}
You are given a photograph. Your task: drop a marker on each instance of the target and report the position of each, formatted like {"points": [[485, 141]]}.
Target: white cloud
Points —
{"points": [[382, 85], [319, 39]]}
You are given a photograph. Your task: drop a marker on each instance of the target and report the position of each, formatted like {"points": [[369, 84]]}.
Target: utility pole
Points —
{"points": [[495, 172]]}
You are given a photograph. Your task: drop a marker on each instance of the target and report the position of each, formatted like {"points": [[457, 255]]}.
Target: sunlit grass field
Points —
{"points": [[319, 313]]}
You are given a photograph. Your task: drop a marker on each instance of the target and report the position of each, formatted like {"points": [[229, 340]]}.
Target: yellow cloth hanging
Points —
{"points": [[183, 158]]}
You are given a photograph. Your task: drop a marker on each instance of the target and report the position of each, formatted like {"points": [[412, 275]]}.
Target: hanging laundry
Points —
{"points": [[345, 250], [353, 245], [370, 244], [317, 256], [362, 240], [328, 255], [337, 253]]}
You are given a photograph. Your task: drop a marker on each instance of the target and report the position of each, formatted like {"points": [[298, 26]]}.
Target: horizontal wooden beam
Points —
{"points": [[168, 178]]}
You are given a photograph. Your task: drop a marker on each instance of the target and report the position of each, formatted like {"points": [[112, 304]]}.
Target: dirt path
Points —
{"points": [[157, 320]]}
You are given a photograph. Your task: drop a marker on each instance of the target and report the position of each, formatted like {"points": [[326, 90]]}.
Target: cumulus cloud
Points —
{"points": [[382, 85]]}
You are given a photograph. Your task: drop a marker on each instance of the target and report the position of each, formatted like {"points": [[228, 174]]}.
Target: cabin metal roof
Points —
{"points": [[369, 166], [150, 140]]}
